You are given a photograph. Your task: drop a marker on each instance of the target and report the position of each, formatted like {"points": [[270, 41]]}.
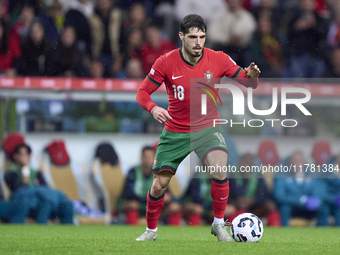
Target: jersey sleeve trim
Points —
{"points": [[154, 81], [237, 73]]}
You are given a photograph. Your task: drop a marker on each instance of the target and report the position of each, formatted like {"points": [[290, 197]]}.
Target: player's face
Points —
{"points": [[193, 42]]}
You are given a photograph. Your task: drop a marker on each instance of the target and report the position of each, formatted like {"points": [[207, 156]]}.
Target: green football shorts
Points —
{"points": [[174, 147]]}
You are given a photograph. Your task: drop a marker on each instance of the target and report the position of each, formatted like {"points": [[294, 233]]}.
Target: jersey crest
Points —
{"points": [[208, 75]]}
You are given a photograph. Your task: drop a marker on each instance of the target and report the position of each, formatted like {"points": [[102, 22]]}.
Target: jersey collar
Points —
{"points": [[190, 64]]}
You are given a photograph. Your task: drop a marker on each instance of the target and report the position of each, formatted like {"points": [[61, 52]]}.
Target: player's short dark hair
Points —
{"points": [[192, 21], [146, 148], [22, 145]]}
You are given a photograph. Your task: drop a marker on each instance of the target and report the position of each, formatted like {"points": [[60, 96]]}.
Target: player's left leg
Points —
{"points": [[219, 192]]}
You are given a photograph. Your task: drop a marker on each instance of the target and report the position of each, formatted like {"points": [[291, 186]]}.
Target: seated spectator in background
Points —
{"points": [[96, 70], [231, 31], [131, 50], [84, 6], [77, 17], [137, 185], [106, 25], [332, 195], [15, 210], [4, 10], [9, 49], [266, 49], [136, 20], [333, 70], [26, 17], [301, 195], [53, 21], [183, 8], [270, 10], [333, 37], [42, 202], [197, 201], [134, 69], [154, 47], [307, 32], [36, 52], [249, 193], [68, 59]]}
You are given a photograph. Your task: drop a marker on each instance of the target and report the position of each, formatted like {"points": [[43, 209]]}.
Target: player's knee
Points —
{"points": [[157, 190], [219, 175]]}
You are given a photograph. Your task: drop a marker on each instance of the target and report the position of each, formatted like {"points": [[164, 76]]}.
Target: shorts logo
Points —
{"points": [[152, 71], [154, 162]]}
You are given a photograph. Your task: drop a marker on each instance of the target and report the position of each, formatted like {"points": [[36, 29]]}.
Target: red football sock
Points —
{"points": [[131, 217], [175, 219], [237, 213], [219, 194], [153, 210], [195, 219], [274, 219]]}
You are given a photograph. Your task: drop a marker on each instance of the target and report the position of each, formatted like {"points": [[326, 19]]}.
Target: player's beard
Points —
{"points": [[192, 52]]}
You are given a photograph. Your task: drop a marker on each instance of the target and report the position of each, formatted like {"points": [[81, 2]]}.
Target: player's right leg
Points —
{"points": [[154, 204]]}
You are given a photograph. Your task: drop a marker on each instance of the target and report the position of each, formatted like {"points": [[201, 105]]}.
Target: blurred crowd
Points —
{"points": [[122, 39]]}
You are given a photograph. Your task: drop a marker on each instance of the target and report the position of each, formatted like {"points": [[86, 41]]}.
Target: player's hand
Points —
{"points": [[252, 71], [160, 114]]}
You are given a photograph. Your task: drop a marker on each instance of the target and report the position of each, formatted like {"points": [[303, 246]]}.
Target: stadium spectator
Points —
{"points": [[197, 201], [269, 9], [26, 17], [131, 49], [333, 70], [9, 49], [16, 209], [231, 31], [299, 195], [68, 59], [200, 7], [86, 7], [332, 196], [53, 21], [267, 50], [249, 193], [4, 10], [154, 47], [137, 184], [77, 17], [96, 70], [106, 25], [333, 37], [36, 54], [134, 69], [45, 203], [136, 20], [307, 32]]}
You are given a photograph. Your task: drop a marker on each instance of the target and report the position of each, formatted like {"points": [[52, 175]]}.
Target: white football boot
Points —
{"points": [[220, 231], [148, 235]]}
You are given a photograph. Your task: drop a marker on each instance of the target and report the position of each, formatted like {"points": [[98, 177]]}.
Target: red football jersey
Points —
{"points": [[176, 73]]}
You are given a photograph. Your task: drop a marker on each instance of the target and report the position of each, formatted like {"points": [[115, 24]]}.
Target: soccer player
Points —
{"points": [[183, 133]]}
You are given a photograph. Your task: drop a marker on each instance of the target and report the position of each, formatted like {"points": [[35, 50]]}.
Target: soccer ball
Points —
{"points": [[247, 228]]}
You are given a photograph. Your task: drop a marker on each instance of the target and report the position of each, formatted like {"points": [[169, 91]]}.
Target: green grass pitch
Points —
{"points": [[34, 239]]}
